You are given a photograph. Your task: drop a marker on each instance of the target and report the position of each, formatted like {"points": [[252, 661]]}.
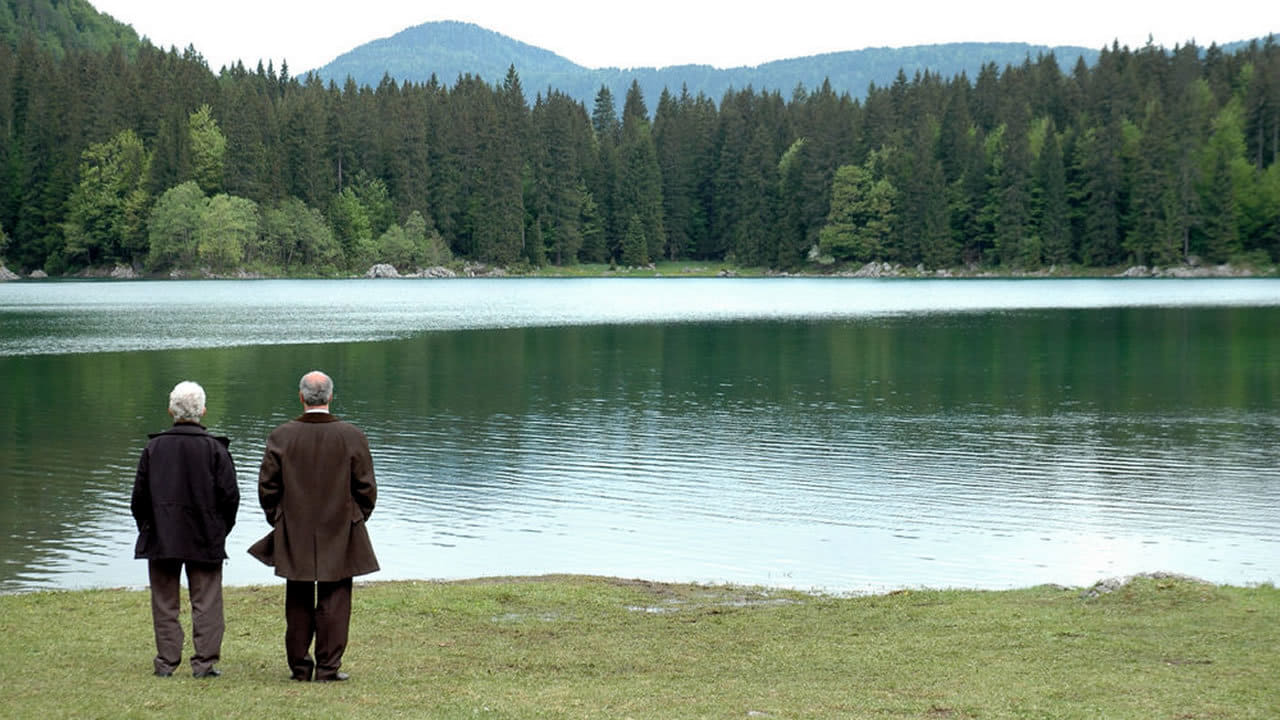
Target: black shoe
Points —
{"points": [[210, 673], [336, 677], [300, 678], [164, 673]]}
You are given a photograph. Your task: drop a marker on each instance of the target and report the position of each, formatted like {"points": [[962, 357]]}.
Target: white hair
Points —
{"points": [[186, 401]]}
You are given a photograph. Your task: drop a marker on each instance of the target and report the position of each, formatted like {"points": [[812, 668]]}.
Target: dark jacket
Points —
{"points": [[317, 489], [185, 496]]}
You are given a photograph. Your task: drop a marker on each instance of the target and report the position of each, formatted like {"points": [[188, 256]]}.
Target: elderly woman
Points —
{"points": [[185, 500]]}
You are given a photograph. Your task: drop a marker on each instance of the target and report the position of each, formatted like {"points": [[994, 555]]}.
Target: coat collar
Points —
{"points": [[316, 417], [189, 428]]}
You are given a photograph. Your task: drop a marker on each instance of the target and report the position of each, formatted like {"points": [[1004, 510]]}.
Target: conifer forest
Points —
{"points": [[145, 157]]}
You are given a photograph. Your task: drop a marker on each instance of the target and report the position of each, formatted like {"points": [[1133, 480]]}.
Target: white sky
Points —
{"points": [[658, 33]]}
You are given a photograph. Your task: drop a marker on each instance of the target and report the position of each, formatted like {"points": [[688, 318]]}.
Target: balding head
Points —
{"points": [[315, 389]]}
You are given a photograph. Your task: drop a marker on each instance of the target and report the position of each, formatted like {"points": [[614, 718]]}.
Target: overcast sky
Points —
{"points": [[601, 33]]}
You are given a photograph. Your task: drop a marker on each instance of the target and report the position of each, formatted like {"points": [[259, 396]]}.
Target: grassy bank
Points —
{"points": [[574, 647]]}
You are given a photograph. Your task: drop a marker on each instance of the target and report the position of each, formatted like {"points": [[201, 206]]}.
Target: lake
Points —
{"points": [[843, 435]]}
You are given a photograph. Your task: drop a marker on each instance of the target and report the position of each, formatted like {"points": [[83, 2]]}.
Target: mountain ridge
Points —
{"points": [[61, 25], [449, 49]]}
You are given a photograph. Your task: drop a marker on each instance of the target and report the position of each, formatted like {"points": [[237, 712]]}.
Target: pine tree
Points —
{"points": [[1016, 243], [635, 247], [497, 214], [672, 138], [564, 145], [640, 179], [1152, 232], [304, 128], [754, 231], [604, 176], [594, 249], [862, 215], [208, 149], [1098, 198], [1224, 173], [1050, 201]]}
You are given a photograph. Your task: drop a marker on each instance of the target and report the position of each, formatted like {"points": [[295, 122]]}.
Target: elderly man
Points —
{"points": [[317, 488], [184, 502]]}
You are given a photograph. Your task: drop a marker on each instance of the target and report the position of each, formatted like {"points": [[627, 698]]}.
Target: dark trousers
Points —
{"points": [[204, 581], [319, 610]]}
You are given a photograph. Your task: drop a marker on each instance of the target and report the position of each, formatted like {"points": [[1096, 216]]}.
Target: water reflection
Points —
{"points": [[977, 449]]}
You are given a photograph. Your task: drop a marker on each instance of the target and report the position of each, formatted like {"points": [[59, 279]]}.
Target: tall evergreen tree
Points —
{"points": [[640, 179], [1225, 172], [862, 215], [672, 137], [1052, 222], [1153, 234], [498, 213], [566, 144], [1016, 243], [208, 149], [1098, 198], [604, 176]]}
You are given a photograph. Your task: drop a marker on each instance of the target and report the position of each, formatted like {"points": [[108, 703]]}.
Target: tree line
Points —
{"points": [[149, 159]]}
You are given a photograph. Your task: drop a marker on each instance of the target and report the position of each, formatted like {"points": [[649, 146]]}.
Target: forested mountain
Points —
{"points": [[1147, 156], [449, 50], [59, 25]]}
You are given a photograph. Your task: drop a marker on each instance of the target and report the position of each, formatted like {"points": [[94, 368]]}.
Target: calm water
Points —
{"points": [[849, 435]]}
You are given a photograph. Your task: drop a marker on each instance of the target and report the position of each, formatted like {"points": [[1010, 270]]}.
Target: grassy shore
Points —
{"points": [[580, 647]]}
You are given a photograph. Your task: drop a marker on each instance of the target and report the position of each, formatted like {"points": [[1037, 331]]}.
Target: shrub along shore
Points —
{"points": [[589, 647]]}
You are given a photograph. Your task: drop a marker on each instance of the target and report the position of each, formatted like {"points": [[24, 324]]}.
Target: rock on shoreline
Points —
{"points": [[1110, 585], [386, 270], [871, 270], [1186, 271]]}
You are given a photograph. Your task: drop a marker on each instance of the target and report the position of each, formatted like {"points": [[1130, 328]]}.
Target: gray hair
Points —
{"points": [[186, 401], [316, 389]]}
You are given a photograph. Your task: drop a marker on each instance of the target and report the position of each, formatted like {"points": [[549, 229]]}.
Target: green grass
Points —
{"points": [[579, 647]]}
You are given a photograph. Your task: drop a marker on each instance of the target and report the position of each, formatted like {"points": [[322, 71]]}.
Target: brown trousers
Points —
{"points": [[319, 610], [204, 581]]}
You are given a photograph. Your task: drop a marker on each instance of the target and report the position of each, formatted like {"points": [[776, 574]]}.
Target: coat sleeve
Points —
{"points": [[140, 502], [364, 488], [270, 483], [228, 497]]}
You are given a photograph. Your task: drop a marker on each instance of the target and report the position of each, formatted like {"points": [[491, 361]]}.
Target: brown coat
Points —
{"points": [[317, 488]]}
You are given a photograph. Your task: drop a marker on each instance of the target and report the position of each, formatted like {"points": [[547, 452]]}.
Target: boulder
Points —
{"points": [[875, 269], [6, 274], [38, 275], [1110, 585], [382, 270]]}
